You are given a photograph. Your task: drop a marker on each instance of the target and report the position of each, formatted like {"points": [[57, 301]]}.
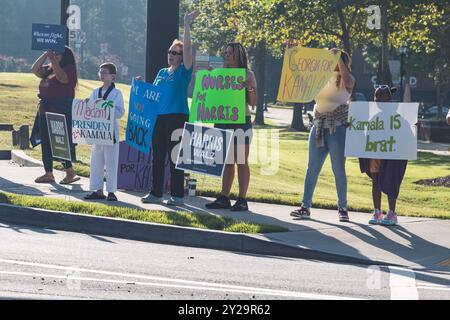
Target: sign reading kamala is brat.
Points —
{"points": [[305, 72], [146, 101], [219, 97], [93, 122], [382, 131]]}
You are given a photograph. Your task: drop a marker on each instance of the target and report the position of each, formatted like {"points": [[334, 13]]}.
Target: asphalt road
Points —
{"points": [[45, 264]]}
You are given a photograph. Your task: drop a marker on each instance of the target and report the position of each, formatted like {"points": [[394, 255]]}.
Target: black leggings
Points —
{"points": [[162, 145]]}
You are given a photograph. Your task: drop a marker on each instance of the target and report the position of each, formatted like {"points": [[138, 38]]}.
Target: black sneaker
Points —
{"points": [[343, 215], [111, 197], [94, 196], [240, 205], [302, 213], [221, 202]]}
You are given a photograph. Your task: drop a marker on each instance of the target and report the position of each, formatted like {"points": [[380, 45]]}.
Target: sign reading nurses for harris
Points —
{"points": [[219, 97], [305, 72], [93, 122], [48, 36], [382, 130], [146, 101]]}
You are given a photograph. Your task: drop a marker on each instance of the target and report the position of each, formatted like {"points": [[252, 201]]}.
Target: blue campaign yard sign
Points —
{"points": [[146, 101], [48, 36], [204, 150]]}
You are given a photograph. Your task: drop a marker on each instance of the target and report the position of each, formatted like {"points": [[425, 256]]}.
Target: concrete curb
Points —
{"points": [[19, 157], [166, 234]]}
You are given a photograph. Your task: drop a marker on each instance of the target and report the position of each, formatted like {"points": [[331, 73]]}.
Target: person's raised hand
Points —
{"points": [[335, 50], [190, 17]]}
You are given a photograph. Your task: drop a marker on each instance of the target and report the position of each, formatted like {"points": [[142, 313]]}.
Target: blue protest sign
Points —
{"points": [[146, 101], [48, 36], [204, 150]]}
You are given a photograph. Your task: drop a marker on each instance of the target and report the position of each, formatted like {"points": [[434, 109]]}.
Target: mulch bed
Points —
{"points": [[436, 182]]}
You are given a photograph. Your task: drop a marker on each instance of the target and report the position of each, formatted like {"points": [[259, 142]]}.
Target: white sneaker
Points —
{"points": [[175, 201], [377, 216], [151, 199], [390, 219]]}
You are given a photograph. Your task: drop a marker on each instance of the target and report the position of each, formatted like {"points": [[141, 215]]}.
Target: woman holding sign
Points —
{"points": [[328, 136], [56, 92], [236, 57], [173, 117]]}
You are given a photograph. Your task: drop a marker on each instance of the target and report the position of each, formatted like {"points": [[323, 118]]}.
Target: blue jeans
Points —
{"points": [[335, 146]]}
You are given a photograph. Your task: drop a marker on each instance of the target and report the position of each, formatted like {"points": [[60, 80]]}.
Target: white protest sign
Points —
{"points": [[382, 130], [93, 122]]}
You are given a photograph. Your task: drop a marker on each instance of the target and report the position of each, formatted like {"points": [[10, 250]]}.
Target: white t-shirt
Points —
{"points": [[332, 96], [448, 115], [117, 97]]}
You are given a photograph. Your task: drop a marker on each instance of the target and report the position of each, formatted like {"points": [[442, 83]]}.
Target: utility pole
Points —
{"points": [[163, 25], [64, 16]]}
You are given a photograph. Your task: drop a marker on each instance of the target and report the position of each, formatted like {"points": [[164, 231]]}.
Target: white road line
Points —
{"points": [[188, 284], [403, 284], [438, 288], [286, 294]]}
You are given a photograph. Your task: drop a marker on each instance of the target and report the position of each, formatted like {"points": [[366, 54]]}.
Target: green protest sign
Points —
{"points": [[219, 97]]}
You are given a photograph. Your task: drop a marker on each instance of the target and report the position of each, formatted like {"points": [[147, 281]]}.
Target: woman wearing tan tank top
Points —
{"points": [[328, 137]]}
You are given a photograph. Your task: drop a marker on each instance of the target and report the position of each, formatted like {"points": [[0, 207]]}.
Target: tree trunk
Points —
{"points": [[260, 68], [297, 118]]}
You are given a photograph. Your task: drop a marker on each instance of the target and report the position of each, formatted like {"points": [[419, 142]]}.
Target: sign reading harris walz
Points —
{"points": [[48, 36], [59, 137], [204, 150]]}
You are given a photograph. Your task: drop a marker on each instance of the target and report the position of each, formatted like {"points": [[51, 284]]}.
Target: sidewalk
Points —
{"points": [[440, 149], [416, 242]]}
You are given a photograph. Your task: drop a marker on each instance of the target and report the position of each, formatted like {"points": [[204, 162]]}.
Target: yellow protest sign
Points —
{"points": [[305, 72]]}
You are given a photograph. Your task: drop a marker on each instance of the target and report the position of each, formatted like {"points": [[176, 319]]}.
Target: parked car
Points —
{"points": [[359, 96], [432, 113]]}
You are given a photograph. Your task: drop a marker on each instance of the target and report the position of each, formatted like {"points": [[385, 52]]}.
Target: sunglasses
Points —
{"points": [[174, 53], [382, 87]]}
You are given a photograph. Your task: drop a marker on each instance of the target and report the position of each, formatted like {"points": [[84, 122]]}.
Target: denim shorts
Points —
{"points": [[246, 131]]}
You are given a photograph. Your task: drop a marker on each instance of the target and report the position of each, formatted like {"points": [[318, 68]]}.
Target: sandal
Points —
{"points": [[45, 179], [68, 180]]}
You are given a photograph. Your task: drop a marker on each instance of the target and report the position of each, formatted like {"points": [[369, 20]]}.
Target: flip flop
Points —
{"points": [[44, 180], [67, 181]]}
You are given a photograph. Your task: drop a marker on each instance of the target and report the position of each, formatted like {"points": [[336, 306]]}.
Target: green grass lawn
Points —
{"points": [[178, 218], [284, 187]]}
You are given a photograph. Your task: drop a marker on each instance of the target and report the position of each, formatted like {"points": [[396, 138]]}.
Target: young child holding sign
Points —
{"points": [[106, 156], [386, 175]]}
